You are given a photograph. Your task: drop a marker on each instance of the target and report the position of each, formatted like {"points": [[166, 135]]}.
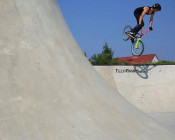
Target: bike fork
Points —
{"points": [[136, 45]]}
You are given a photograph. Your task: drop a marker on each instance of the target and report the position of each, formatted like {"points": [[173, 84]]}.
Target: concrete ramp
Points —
{"points": [[49, 91], [150, 88]]}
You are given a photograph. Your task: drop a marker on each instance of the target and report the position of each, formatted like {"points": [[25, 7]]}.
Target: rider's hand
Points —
{"points": [[150, 28]]}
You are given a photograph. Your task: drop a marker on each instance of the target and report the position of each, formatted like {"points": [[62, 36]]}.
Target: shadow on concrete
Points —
{"points": [[142, 70]]}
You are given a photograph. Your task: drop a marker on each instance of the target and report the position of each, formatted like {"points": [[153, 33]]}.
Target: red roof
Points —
{"points": [[137, 59]]}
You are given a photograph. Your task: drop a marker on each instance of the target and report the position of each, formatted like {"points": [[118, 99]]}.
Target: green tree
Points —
{"points": [[104, 58]]}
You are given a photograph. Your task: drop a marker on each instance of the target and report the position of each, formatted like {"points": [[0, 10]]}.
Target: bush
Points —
{"points": [[164, 62]]}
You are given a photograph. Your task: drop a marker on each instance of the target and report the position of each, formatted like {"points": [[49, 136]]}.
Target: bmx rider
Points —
{"points": [[139, 13]]}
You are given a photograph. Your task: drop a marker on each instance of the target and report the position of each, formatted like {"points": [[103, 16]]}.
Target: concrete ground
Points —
{"points": [[167, 119]]}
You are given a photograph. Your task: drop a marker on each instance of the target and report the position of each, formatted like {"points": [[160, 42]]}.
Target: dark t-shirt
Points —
{"points": [[140, 10]]}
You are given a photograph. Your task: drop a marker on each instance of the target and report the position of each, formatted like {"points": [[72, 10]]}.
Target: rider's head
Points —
{"points": [[157, 7]]}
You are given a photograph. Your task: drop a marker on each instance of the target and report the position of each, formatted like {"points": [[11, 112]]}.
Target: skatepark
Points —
{"points": [[50, 91]]}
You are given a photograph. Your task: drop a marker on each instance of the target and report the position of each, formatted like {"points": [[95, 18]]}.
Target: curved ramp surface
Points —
{"points": [[49, 91]]}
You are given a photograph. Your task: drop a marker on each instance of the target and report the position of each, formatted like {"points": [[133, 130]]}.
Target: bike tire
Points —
{"points": [[127, 28], [137, 50]]}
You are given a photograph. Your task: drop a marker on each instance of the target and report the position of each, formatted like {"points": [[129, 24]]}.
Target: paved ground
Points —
{"points": [[167, 119], [49, 90]]}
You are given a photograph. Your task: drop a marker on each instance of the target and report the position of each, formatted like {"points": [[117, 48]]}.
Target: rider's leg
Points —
{"points": [[135, 30], [138, 27]]}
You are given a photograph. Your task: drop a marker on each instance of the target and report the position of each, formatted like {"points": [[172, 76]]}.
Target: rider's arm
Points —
{"points": [[145, 10], [151, 20]]}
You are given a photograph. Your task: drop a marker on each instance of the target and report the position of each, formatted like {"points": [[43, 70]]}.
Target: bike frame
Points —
{"points": [[143, 33]]}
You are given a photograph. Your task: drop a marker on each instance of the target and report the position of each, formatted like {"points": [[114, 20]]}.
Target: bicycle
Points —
{"points": [[137, 47]]}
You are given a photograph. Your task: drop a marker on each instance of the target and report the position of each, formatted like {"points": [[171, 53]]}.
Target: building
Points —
{"points": [[150, 58]]}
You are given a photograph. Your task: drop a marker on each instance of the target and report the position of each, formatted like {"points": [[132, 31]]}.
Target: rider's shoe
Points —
{"points": [[131, 34]]}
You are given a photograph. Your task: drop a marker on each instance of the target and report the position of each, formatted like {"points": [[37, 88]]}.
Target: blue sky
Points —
{"points": [[94, 22]]}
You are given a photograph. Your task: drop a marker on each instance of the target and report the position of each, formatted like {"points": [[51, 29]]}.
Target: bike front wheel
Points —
{"points": [[126, 29], [137, 48]]}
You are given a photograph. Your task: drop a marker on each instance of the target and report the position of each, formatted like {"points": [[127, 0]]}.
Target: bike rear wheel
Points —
{"points": [[137, 48], [126, 29]]}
